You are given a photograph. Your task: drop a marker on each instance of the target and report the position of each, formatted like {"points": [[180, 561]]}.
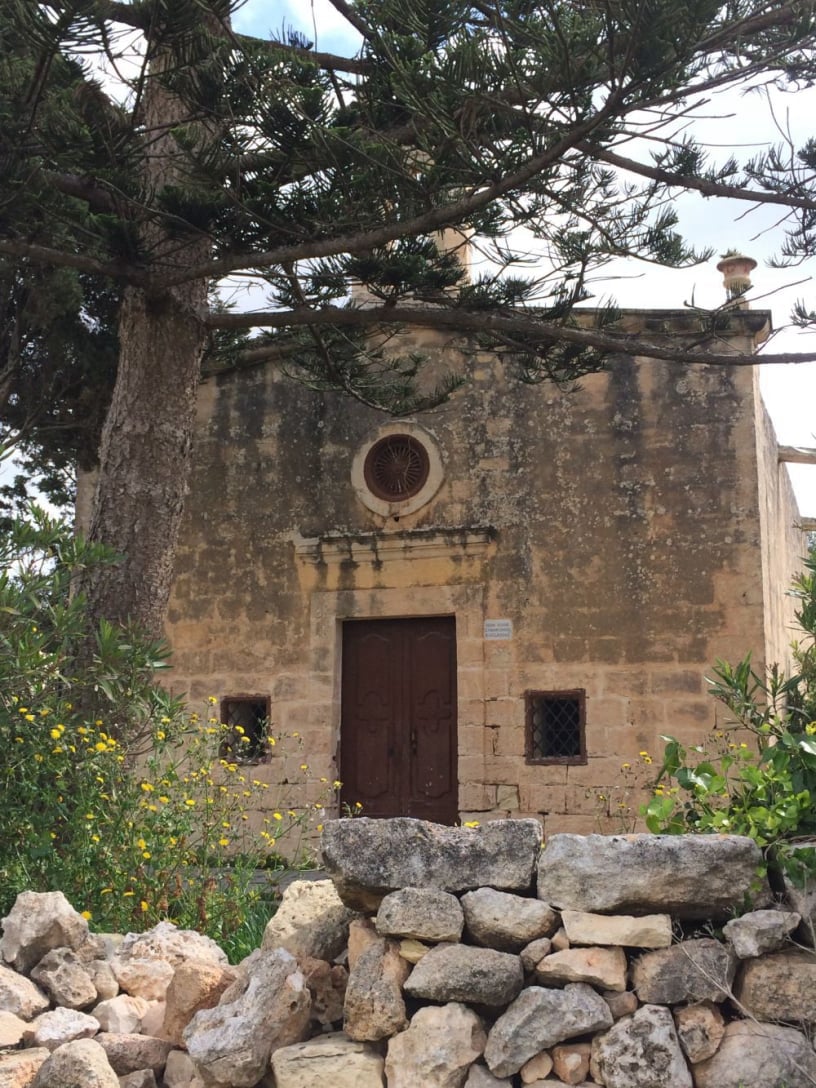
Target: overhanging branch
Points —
{"points": [[701, 185], [526, 329], [60, 259]]}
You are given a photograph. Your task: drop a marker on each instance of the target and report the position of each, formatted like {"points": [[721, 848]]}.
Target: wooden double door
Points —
{"points": [[398, 747]]}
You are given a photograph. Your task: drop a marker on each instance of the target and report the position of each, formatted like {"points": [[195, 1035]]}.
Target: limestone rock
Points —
{"points": [[20, 996], [437, 1050], [538, 1019], [688, 876], [327, 984], [506, 922], [12, 1029], [145, 978], [570, 1062], [362, 933], [143, 1078], [700, 1030], [181, 1071], [413, 951], [779, 986], [310, 921], [64, 979], [153, 1019], [696, 970], [80, 1063], [38, 922], [533, 953], [537, 1068], [760, 931], [328, 1061], [127, 1053], [194, 986], [479, 1076], [369, 858], [759, 1055], [560, 940], [374, 1007], [424, 914], [648, 931], [267, 1008], [170, 944], [604, 968], [19, 1068], [458, 972], [101, 975], [641, 1051], [623, 1004], [59, 1026], [121, 1014]]}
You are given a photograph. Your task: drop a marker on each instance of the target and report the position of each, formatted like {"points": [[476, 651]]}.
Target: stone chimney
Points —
{"points": [[736, 271]]}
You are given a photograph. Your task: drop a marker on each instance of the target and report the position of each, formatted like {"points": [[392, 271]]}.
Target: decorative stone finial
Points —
{"points": [[736, 270]]}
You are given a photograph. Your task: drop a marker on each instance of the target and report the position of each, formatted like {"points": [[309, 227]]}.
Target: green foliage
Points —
{"points": [[763, 786], [442, 115], [132, 831]]}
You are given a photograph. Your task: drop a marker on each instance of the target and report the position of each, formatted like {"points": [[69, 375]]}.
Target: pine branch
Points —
{"points": [[59, 258], [700, 185], [528, 328]]}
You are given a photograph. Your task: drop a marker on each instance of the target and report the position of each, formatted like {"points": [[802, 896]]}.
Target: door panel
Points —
{"points": [[398, 751]]}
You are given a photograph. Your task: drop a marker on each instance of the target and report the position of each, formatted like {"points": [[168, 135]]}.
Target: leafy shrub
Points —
{"points": [[112, 793], [763, 786]]}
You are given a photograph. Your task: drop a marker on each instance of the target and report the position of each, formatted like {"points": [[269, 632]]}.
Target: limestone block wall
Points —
{"points": [[442, 958], [625, 534]]}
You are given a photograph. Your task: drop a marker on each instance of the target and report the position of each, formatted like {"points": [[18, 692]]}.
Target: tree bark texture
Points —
{"points": [[146, 446], [145, 458]]}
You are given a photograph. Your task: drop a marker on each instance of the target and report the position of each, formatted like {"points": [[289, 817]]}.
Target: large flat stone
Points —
{"points": [[688, 876], [622, 930], [329, 1061], [369, 858], [604, 968]]}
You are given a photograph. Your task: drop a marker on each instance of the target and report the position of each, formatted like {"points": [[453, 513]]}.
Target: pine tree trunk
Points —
{"points": [[146, 447], [145, 456]]}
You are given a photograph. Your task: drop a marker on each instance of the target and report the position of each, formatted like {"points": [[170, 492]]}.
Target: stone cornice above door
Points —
{"points": [[444, 555]]}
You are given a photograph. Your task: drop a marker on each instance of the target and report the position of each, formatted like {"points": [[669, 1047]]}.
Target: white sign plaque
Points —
{"points": [[498, 630]]}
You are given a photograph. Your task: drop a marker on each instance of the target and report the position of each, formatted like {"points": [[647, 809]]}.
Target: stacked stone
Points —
{"points": [[437, 958], [484, 964]]}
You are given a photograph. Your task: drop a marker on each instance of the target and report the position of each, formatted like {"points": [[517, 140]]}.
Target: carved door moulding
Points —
{"points": [[337, 548]]}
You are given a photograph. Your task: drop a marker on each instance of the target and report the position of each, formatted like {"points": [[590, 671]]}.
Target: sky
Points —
{"points": [[744, 124]]}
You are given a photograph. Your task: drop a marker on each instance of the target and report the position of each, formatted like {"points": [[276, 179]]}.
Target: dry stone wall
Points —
{"points": [[437, 957]]}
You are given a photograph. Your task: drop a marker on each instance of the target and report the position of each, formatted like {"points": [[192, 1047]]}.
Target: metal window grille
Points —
{"points": [[396, 468], [248, 717], [555, 727]]}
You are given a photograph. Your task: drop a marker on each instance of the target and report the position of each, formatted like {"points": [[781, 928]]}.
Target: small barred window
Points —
{"points": [[555, 727], [247, 717]]}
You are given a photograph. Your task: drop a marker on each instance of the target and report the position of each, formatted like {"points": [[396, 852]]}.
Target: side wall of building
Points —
{"points": [[784, 542]]}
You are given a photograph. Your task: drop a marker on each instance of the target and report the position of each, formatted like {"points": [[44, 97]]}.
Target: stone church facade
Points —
{"points": [[485, 610]]}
